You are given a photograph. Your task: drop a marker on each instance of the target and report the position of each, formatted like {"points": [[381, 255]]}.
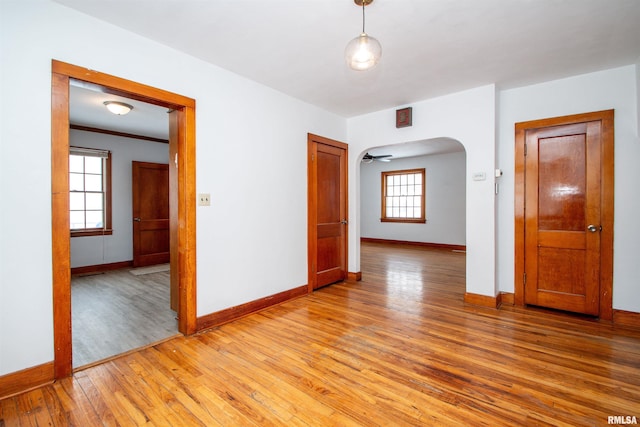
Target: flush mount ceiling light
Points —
{"points": [[119, 108], [363, 52]]}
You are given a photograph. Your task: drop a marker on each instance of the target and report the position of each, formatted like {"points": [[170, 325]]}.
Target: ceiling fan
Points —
{"points": [[368, 158]]}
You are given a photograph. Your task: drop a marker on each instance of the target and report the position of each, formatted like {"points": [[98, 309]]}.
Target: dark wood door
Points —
{"points": [[563, 218], [327, 211], [150, 184]]}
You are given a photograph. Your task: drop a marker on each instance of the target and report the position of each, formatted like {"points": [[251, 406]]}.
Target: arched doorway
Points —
{"points": [[443, 161]]}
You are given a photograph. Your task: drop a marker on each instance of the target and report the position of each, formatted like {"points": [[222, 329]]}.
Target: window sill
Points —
{"points": [[92, 232], [405, 220]]}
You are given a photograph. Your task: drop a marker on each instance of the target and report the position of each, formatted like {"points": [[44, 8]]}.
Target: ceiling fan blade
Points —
{"points": [[368, 158]]}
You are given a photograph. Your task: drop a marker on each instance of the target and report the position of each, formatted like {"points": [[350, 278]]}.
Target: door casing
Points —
{"points": [[607, 198], [182, 193]]}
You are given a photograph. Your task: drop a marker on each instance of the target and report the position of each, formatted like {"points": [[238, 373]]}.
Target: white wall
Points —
{"points": [[251, 156], [94, 250], [611, 89], [445, 198], [638, 95], [468, 117]]}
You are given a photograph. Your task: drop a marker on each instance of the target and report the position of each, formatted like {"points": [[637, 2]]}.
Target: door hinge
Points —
{"points": [[525, 150], [524, 278], [313, 157]]}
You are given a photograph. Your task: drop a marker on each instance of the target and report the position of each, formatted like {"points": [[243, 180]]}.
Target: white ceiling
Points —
{"points": [[430, 47], [86, 108]]}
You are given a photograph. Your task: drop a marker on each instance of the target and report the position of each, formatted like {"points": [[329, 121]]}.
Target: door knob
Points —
{"points": [[137, 219], [592, 228], [344, 221]]}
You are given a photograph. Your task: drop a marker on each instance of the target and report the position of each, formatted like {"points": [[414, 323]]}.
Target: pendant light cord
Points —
{"points": [[363, 17]]}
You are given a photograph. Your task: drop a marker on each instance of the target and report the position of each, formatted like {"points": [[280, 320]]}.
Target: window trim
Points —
{"points": [[383, 194], [107, 230]]}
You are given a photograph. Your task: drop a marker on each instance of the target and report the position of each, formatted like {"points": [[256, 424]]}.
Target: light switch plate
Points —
{"points": [[479, 176]]}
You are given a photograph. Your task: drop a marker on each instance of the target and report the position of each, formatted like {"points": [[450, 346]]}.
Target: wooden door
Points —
{"points": [[327, 204], [150, 182], [565, 190]]}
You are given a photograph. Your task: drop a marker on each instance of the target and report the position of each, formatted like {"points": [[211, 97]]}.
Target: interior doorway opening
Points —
{"points": [[118, 306], [181, 188], [443, 161]]}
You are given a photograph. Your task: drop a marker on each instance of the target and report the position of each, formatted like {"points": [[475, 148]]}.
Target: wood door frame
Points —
{"points": [[182, 190], [607, 197], [312, 205]]}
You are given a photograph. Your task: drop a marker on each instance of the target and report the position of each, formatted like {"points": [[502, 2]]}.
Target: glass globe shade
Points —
{"points": [[363, 52], [118, 108]]}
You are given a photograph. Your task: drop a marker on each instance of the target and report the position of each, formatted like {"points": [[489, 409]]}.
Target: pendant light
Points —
{"points": [[363, 52]]}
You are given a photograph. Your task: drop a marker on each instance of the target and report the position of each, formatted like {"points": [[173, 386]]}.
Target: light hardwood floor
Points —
{"points": [[398, 348], [117, 311]]}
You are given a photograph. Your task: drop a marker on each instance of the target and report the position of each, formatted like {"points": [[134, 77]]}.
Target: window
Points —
{"points": [[403, 196], [89, 192]]}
